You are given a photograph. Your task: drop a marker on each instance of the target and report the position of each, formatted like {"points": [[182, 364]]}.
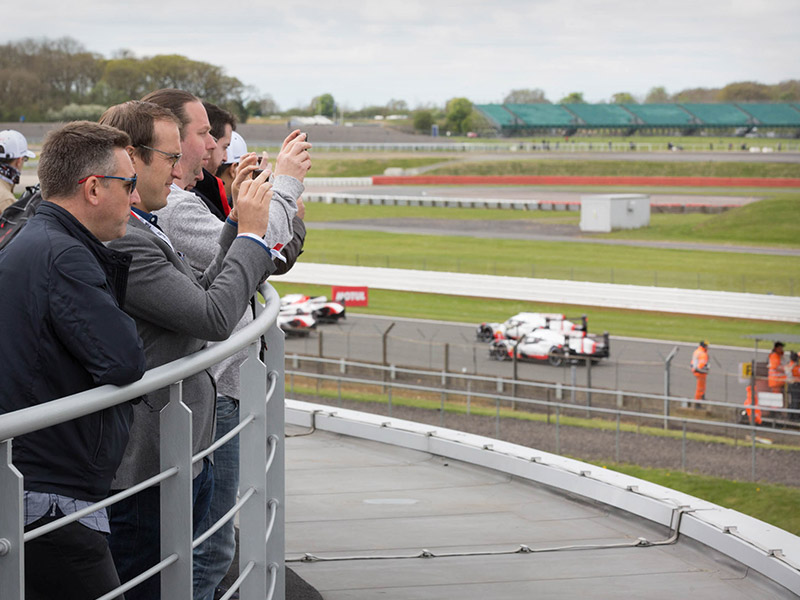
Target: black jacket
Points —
{"points": [[63, 332]]}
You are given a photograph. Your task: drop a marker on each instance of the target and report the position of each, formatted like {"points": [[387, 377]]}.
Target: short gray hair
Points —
{"points": [[75, 151]]}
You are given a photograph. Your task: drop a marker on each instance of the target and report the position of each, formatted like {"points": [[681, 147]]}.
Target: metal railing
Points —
{"points": [[261, 506]]}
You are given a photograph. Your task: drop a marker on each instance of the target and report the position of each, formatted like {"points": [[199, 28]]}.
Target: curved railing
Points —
{"points": [[261, 503]]}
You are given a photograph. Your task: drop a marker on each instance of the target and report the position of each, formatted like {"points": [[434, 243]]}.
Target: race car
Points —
{"points": [[525, 322], [294, 324], [318, 307], [552, 346]]}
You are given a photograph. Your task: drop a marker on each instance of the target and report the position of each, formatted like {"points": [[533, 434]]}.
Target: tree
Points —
{"points": [[657, 95], [423, 121], [526, 96], [573, 98], [745, 91], [395, 106], [457, 112], [623, 98], [323, 105], [265, 105], [696, 95]]}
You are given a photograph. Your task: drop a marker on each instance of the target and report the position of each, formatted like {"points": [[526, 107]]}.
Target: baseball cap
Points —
{"points": [[14, 145], [237, 148]]}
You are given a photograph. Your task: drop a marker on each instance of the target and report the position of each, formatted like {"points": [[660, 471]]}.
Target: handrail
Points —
{"points": [[78, 405]]}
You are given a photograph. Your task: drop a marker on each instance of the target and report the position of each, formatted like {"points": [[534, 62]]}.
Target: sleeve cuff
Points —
{"points": [[256, 239]]}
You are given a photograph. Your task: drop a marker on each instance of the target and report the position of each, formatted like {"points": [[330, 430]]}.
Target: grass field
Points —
{"points": [[641, 324], [559, 260]]}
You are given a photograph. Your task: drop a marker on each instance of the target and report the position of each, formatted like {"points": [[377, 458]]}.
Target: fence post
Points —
{"points": [[616, 449], [384, 342], [589, 385], [12, 550], [667, 372], [446, 364], [175, 431], [252, 472]]}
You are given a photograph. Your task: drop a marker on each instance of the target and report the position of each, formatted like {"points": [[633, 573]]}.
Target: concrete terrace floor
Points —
{"points": [[357, 500]]}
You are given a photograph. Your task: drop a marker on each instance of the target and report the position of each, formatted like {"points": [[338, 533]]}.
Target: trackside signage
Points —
{"points": [[350, 295]]}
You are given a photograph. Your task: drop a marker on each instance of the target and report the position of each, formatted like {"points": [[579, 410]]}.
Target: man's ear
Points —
{"points": [[91, 191], [131, 153]]}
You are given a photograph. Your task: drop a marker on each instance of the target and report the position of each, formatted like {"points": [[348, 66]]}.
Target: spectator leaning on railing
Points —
{"points": [[64, 332], [177, 309]]}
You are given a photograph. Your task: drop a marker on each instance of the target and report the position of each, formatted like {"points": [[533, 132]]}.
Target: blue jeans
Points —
{"points": [[213, 558], [135, 539]]}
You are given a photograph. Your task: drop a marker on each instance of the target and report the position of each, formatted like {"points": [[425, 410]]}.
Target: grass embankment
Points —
{"points": [[628, 323], [534, 166], [772, 503], [740, 272]]}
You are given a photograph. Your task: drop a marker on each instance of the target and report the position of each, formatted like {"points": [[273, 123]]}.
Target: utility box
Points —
{"points": [[606, 212]]}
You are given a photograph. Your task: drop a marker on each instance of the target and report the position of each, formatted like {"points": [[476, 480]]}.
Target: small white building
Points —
{"points": [[602, 213]]}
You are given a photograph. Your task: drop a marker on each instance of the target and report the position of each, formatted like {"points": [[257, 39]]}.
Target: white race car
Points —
{"points": [[525, 322], [296, 324], [553, 346], [318, 307]]}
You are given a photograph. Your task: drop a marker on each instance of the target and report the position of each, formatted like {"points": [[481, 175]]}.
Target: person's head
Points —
{"points": [[793, 356], [85, 168], [14, 149], [703, 344], [236, 149], [223, 124], [778, 347], [155, 147], [195, 130]]}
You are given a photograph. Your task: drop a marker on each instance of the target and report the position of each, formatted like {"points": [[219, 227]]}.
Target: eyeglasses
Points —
{"points": [[131, 181], [170, 155]]}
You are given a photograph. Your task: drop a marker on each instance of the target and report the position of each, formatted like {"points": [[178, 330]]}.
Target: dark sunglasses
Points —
{"points": [[130, 180]]}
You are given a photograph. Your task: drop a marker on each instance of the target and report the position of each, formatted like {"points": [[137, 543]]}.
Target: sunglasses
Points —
{"points": [[131, 181]]}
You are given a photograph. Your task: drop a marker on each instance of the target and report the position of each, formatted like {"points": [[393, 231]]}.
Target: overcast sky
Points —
{"points": [[427, 51]]}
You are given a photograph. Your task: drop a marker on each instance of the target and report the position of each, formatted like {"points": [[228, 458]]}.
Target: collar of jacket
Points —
{"points": [[114, 263]]}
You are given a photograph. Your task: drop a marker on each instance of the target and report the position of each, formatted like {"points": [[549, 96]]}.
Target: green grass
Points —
{"points": [[534, 166], [559, 260], [772, 503], [320, 212], [630, 323]]}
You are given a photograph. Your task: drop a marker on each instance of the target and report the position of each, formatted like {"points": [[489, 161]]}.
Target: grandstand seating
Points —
{"points": [[775, 115], [543, 115], [718, 115], [572, 117], [660, 115], [602, 115], [499, 115]]}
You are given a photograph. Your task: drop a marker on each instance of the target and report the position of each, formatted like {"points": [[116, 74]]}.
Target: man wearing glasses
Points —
{"points": [[177, 309], [64, 332]]}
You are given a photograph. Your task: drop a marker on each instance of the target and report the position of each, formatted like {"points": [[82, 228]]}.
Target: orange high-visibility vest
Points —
{"points": [[754, 401], [700, 360], [776, 376]]}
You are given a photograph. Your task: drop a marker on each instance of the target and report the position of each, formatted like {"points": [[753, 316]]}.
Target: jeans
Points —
{"points": [[72, 563], [135, 539], [213, 558]]}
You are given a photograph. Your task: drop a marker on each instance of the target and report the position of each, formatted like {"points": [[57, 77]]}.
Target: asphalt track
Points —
{"points": [[635, 365]]}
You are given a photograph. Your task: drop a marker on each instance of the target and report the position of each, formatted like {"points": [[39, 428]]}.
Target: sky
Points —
{"points": [[427, 51]]}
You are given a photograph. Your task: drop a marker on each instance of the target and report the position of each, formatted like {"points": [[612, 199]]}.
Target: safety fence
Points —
{"points": [[628, 368], [604, 424], [261, 507]]}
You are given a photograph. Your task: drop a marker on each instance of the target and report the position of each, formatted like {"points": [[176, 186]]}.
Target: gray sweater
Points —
{"points": [[194, 230]]}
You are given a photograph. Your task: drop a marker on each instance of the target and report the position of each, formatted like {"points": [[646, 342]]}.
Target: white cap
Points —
{"points": [[236, 149], [14, 145]]}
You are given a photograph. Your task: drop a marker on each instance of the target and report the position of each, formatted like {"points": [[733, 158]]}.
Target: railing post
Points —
{"points": [[276, 477], [175, 430], [12, 552], [253, 475]]}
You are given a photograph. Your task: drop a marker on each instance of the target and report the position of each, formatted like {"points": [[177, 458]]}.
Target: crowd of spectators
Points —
{"points": [[138, 255]]}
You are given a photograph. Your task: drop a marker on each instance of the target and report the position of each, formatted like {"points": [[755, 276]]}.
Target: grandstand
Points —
{"points": [[688, 118]]}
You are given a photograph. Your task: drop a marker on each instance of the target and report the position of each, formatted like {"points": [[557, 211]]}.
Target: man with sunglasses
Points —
{"points": [[64, 332], [177, 310]]}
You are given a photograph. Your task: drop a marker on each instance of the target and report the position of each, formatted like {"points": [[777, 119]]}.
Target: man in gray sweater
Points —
{"points": [[193, 229], [177, 310]]}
